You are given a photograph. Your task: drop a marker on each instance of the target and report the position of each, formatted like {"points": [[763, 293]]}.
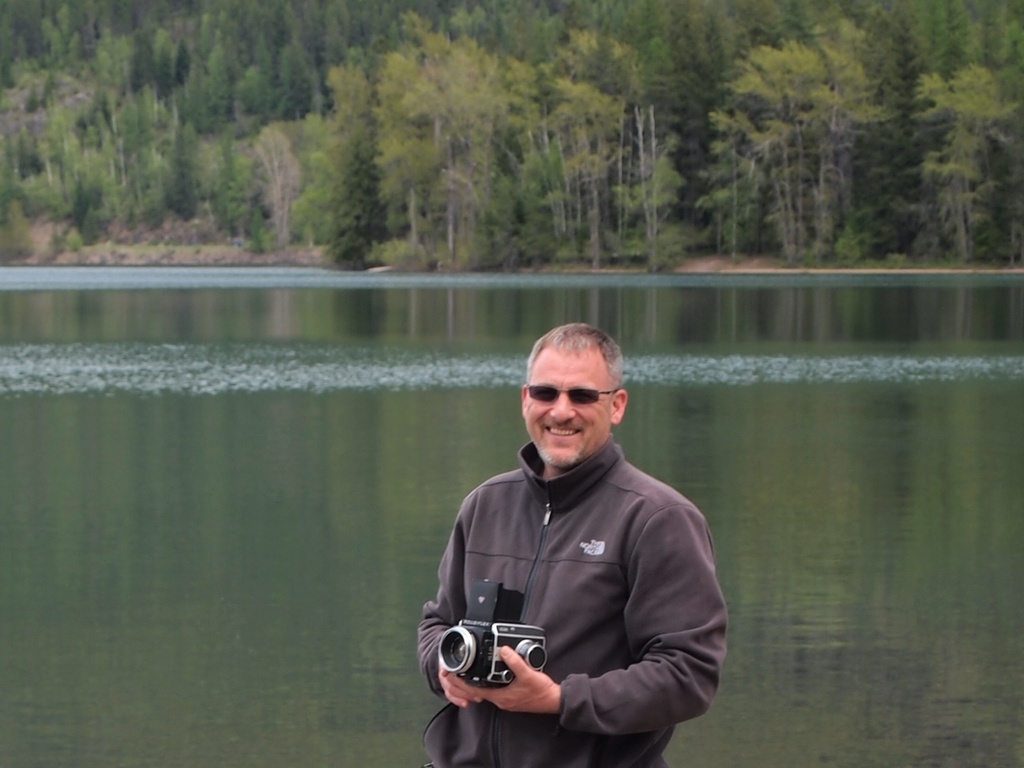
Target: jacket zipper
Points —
{"points": [[496, 727], [496, 738]]}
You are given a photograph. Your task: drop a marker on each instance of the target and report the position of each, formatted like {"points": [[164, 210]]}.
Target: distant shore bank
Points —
{"points": [[226, 255]]}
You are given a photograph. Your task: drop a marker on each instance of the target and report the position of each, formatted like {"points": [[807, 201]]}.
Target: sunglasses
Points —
{"points": [[578, 395]]}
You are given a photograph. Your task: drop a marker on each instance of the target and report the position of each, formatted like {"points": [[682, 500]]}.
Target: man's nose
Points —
{"points": [[563, 404]]}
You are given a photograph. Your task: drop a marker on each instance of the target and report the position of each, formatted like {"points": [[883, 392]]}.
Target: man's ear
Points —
{"points": [[619, 400]]}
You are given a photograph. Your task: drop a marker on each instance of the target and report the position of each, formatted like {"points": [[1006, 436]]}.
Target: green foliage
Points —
{"points": [[86, 206], [850, 249], [358, 214], [401, 254], [182, 193], [15, 234], [230, 188], [890, 151], [506, 136], [313, 211], [75, 242], [297, 84], [973, 113], [259, 235]]}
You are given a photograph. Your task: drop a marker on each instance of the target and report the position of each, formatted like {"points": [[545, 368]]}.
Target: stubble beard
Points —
{"points": [[562, 462]]}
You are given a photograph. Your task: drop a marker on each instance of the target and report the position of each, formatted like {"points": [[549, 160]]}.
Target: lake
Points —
{"points": [[224, 493]]}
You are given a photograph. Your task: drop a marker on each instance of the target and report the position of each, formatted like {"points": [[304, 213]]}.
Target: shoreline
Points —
{"points": [[115, 255]]}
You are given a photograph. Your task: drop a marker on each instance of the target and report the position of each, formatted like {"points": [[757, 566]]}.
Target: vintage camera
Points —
{"points": [[470, 649]]}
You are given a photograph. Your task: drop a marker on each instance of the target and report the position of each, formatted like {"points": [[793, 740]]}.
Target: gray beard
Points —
{"points": [[563, 465]]}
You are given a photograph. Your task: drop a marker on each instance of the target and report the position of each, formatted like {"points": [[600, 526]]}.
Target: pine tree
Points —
{"points": [[182, 64], [297, 84], [359, 214], [693, 86], [230, 181], [143, 67], [889, 154], [182, 193]]}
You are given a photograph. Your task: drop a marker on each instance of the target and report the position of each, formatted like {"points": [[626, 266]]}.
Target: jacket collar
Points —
{"points": [[567, 490]]}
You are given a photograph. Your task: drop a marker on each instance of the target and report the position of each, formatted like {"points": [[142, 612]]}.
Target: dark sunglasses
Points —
{"points": [[579, 395]]}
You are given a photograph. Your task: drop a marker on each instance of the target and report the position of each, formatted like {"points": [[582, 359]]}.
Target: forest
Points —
{"points": [[518, 134]]}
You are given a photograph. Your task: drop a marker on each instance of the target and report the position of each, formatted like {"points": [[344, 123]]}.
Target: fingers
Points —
{"points": [[456, 691], [531, 691], [516, 663]]}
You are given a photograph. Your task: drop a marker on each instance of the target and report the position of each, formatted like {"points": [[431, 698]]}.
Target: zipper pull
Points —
{"points": [[547, 514]]}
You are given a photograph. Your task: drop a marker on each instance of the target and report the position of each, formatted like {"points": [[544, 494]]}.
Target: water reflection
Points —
{"points": [[422, 310], [222, 510], [202, 369]]}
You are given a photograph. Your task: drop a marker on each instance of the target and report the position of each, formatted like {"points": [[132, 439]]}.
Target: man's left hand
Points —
{"points": [[531, 691]]}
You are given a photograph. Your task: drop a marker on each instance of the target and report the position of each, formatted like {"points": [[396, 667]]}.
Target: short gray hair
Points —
{"points": [[578, 338]]}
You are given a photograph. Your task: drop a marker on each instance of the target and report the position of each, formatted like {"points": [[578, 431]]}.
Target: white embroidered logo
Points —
{"points": [[592, 547]]}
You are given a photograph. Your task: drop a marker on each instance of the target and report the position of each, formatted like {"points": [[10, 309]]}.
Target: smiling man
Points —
{"points": [[615, 567], [573, 399]]}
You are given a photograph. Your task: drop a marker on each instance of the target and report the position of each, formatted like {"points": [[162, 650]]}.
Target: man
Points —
{"points": [[615, 566]]}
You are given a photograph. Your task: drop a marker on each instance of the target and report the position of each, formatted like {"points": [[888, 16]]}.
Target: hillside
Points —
{"points": [[517, 134]]}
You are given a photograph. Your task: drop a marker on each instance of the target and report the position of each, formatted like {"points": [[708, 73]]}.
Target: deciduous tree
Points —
{"points": [[280, 174], [973, 111], [776, 109]]}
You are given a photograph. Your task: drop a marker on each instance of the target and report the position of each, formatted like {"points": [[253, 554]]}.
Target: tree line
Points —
{"points": [[513, 134]]}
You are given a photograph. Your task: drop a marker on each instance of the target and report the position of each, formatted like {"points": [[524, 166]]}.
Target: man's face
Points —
{"points": [[564, 432]]}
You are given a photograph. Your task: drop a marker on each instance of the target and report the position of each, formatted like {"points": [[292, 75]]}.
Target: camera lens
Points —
{"points": [[457, 650], [533, 653]]}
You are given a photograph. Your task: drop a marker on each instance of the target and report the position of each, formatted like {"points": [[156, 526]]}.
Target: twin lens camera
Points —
{"points": [[470, 649]]}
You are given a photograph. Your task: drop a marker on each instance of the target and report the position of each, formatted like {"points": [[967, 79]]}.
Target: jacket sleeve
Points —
{"points": [[440, 613], [675, 618]]}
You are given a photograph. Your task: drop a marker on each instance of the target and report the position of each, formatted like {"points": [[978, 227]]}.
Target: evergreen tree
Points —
{"points": [[297, 84], [754, 23], [182, 63], [193, 104], [945, 25], [1008, 213], [163, 64], [86, 202], [358, 212], [230, 188], [694, 86], [182, 193], [889, 153], [794, 22], [256, 92], [143, 68], [218, 87]]}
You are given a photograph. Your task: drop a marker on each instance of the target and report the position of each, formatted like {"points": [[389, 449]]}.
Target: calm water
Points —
{"points": [[223, 495]]}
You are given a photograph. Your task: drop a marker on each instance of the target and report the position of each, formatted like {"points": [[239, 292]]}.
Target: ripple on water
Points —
{"points": [[207, 369]]}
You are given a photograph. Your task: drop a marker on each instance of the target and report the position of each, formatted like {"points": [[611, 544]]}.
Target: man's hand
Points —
{"points": [[531, 691], [457, 691]]}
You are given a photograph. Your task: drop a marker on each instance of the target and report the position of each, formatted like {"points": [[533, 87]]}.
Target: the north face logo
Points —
{"points": [[592, 547]]}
